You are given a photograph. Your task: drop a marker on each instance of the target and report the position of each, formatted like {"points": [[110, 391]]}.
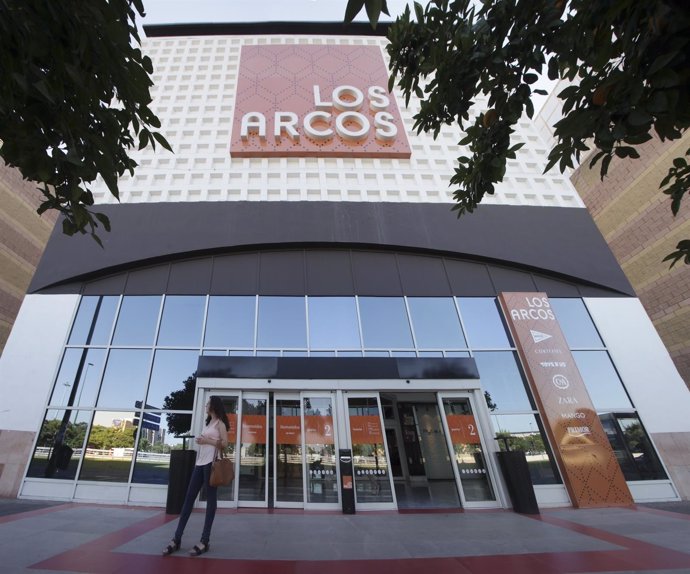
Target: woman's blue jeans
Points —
{"points": [[200, 477]]}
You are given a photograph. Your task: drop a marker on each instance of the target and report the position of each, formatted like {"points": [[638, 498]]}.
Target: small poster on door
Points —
{"points": [[288, 430], [463, 429], [318, 429], [366, 429], [254, 429]]}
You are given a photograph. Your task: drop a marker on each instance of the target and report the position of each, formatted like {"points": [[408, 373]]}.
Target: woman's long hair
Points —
{"points": [[218, 408]]}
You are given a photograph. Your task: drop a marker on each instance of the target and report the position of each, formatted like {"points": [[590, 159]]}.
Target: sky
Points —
{"points": [[205, 11]]}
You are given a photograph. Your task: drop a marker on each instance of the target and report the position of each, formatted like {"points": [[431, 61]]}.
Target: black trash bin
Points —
{"points": [[180, 471], [516, 474], [347, 487]]}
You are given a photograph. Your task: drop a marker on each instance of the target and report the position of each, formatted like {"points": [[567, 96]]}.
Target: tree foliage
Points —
{"points": [[74, 99], [180, 400], [627, 61]]}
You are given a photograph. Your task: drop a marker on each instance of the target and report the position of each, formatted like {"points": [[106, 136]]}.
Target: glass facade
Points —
{"points": [[126, 383]]}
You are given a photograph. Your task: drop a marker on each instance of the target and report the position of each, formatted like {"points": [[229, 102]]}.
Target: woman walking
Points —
{"points": [[214, 435]]}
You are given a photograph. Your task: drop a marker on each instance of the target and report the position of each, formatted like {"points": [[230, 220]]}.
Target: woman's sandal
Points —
{"points": [[173, 546], [199, 549]]}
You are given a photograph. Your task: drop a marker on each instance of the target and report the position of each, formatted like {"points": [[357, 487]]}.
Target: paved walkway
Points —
{"points": [[37, 537]]}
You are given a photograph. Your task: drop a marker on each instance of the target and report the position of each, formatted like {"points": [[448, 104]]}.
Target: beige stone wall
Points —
{"points": [[15, 450], [635, 218], [674, 449], [23, 236]]}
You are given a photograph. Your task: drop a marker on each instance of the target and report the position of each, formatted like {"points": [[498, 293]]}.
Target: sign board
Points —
{"points": [[288, 430], [318, 429], [590, 470], [463, 429], [298, 100], [366, 429], [254, 429]]}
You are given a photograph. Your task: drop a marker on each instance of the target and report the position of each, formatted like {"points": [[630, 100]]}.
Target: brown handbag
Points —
{"points": [[222, 470]]}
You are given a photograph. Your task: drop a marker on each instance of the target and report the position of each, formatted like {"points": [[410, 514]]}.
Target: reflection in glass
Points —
{"points": [[94, 320], [525, 432], [152, 462], [384, 323], [483, 323], [370, 464], [631, 445], [136, 323], [501, 379], [230, 322], [603, 384], [576, 324], [124, 381], [110, 447], [88, 376], [468, 452], [288, 440], [171, 369], [253, 450], [181, 322], [333, 323], [436, 323], [322, 478], [282, 323], [60, 445]]}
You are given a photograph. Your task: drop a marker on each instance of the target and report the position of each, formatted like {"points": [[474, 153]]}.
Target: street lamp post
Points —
{"points": [[83, 382]]}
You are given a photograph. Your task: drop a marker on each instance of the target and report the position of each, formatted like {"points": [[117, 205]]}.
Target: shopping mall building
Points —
{"points": [[298, 256]]}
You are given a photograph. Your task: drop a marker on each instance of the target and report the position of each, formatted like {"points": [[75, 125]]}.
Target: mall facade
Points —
{"points": [[298, 256]]}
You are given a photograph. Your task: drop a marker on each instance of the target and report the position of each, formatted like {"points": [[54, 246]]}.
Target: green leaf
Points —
{"points": [[353, 8], [144, 138], [161, 140]]}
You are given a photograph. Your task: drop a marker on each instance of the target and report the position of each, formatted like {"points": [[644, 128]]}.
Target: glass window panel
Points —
{"points": [[136, 323], [632, 447], [213, 353], [299, 353], [349, 353], [313, 354], [91, 361], [483, 323], [603, 384], [429, 354], [110, 447], [91, 314], [377, 354], [126, 375], [241, 353], [453, 354], [268, 353], [60, 445], [230, 322], [173, 380], [501, 379], [384, 323], [577, 325], [436, 323], [525, 432], [333, 323], [282, 322], [152, 464], [181, 321]]}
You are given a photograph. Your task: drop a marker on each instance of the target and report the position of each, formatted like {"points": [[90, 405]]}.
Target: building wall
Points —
{"points": [[23, 236], [636, 220], [195, 79]]}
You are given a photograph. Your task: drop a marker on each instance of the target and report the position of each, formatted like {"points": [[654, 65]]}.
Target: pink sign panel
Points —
{"points": [[318, 101]]}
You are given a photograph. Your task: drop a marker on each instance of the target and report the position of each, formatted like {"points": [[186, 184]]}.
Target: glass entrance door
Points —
{"points": [[473, 470], [373, 479], [253, 475], [320, 448], [227, 495], [288, 485]]}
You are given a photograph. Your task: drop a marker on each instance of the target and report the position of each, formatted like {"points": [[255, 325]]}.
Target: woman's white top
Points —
{"points": [[214, 430]]}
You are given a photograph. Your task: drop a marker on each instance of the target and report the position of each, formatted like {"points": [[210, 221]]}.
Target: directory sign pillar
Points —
{"points": [[590, 470]]}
